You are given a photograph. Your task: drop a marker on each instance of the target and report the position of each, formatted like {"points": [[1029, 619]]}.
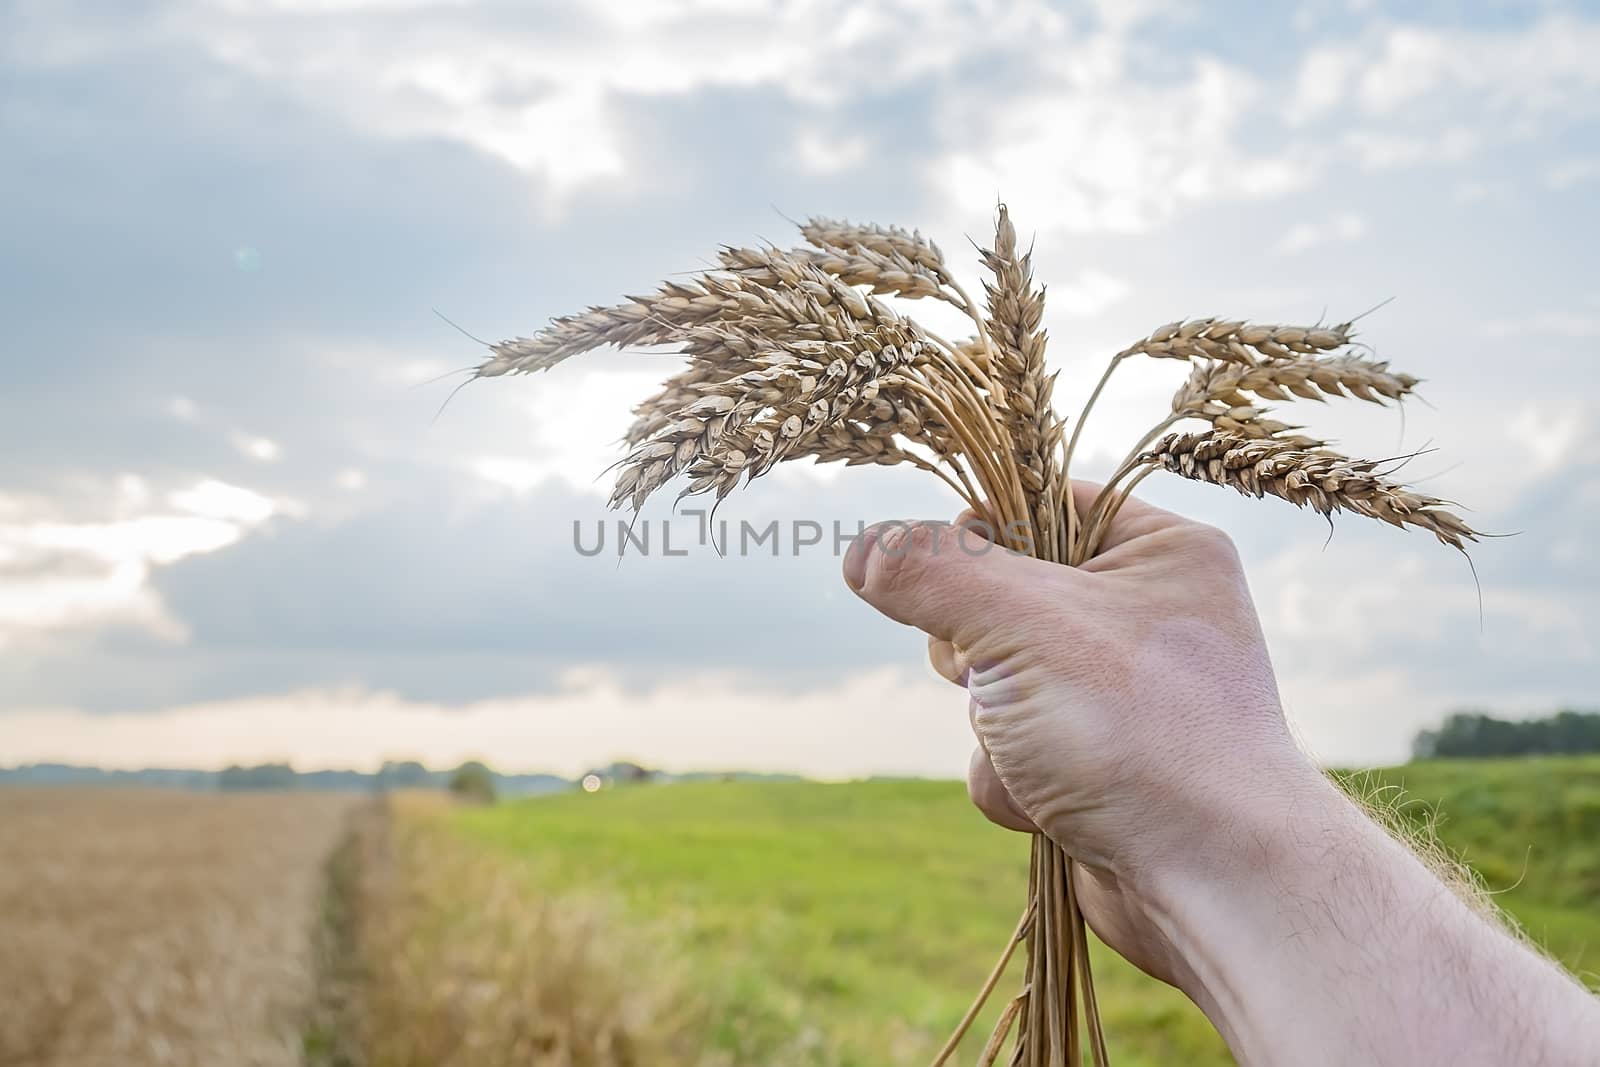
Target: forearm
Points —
{"points": [[1311, 936]]}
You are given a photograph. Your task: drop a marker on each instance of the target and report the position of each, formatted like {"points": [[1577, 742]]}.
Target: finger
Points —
{"points": [[945, 580], [991, 797], [948, 661]]}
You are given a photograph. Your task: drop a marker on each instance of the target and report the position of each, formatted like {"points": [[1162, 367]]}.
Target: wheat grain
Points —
{"points": [[743, 425], [663, 316], [640, 320], [883, 240], [1307, 379], [849, 379], [1237, 341], [1319, 479], [883, 273], [1016, 312]]}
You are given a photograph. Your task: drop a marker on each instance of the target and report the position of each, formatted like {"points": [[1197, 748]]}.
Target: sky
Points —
{"points": [[232, 528]]}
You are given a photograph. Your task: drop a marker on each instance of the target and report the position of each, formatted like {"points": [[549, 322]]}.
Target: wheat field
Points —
{"points": [[707, 924], [159, 928]]}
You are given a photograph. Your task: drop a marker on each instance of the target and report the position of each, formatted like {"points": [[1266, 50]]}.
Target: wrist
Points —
{"points": [[1245, 917], [1234, 825]]}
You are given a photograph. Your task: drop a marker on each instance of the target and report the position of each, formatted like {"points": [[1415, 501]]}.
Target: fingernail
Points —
{"points": [[855, 558]]}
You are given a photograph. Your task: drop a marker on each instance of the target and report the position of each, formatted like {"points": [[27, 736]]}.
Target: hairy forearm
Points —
{"points": [[1311, 936]]}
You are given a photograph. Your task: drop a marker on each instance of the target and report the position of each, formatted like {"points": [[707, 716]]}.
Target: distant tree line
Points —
{"points": [[474, 783], [472, 780], [1470, 734], [262, 776]]}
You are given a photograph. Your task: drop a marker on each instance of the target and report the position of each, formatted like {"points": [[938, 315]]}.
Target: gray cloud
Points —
{"points": [[448, 602]]}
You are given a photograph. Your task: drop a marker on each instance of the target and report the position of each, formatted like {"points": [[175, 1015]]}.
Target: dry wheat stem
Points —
{"points": [[791, 354], [1024, 924], [1052, 961], [1002, 1030], [1080, 957]]}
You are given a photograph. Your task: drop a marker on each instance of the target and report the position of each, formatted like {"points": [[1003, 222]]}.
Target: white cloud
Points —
{"points": [[1307, 235], [544, 99], [39, 602], [572, 432], [1381, 150], [158, 539], [509, 473], [1544, 70], [1090, 293], [1089, 146], [1548, 435], [1337, 627], [1414, 61], [219, 500], [63, 572], [1574, 325], [326, 7], [263, 449], [821, 153], [1323, 80], [1572, 172]]}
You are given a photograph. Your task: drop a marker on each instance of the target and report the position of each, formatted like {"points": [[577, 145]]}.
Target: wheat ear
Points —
{"points": [[1319, 479]]}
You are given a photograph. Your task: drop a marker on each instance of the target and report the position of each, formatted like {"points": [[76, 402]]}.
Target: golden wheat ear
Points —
{"points": [[1320, 479]]}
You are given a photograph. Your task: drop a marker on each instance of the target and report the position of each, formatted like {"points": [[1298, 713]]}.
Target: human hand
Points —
{"points": [[1127, 707]]}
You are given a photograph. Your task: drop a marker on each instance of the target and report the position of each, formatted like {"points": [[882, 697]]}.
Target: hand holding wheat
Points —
{"points": [[1126, 708], [791, 354]]}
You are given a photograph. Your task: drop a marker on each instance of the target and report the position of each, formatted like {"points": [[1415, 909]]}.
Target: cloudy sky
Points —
{"points": [[230, 529]]}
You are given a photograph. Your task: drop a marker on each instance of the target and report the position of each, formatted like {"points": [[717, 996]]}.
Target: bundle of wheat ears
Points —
{"points": [[791, 355]]}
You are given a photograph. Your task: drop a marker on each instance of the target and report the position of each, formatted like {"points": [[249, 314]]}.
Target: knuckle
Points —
{"points": [[900, 559], [1211, 544]]}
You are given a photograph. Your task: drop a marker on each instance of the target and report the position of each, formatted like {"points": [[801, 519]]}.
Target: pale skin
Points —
{"points": [[1128, 709]]}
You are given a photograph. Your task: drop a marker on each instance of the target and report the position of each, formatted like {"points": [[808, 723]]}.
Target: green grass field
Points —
{"points": [[849, 924], [1529, 827]]}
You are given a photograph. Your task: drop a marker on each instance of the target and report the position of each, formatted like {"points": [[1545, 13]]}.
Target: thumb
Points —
{"points": [[946, 580]]}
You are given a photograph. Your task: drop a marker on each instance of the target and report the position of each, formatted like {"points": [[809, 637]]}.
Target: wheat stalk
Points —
{"points": [[793, 356]]}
